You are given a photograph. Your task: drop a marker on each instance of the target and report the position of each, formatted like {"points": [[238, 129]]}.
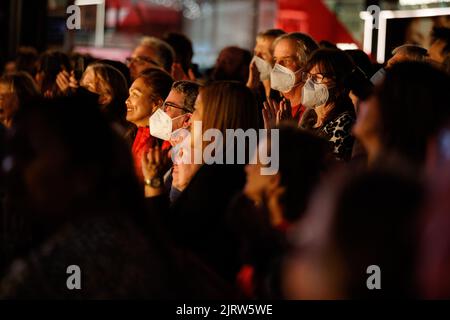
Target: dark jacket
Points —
{"points": [[197, 220]]}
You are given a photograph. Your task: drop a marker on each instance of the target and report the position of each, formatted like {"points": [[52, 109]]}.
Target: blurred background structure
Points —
{"points": [[110, 28]]}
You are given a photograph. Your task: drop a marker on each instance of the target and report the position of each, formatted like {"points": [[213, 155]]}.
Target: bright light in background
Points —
{"points": [[382, 25], [419, 2], [347, 46]]}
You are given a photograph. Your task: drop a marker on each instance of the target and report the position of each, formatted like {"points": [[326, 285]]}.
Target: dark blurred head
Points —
{"points": [[362, 60], [411, 105], [51, 63], [122, 67], [79, 63], [66, 162], [182, 46], [232, 64], [302, 160], [355, 221], [16, 90], [327, 44], [26, 60]]}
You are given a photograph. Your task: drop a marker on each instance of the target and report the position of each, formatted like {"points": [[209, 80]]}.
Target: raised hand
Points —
{"points": [[154, 164], [66, 81]]}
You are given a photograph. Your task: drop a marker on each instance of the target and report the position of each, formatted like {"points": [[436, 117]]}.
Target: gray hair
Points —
{"points": [[414, 52], [165, 54], [190, 91], [305, 45]]}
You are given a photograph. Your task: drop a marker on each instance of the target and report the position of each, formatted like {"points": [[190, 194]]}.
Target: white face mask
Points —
{"points": [[161, 124], [314, 95], [264, 68], [282, 79]]}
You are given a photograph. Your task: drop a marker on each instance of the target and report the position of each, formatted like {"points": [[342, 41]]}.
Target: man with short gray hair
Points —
{"points": [[151, 52]]}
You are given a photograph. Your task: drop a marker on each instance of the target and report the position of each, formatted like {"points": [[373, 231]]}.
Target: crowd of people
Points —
{"points": [[100, 170]]}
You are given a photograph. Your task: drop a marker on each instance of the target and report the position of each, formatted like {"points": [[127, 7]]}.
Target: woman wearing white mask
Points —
{"points": [[290, 54], [325, 94]]}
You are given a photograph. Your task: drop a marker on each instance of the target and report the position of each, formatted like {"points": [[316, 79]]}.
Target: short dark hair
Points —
{"points": [[50, 63], [340, 66], [411, 109], [159, 80], [189, 89], [182, 46]]}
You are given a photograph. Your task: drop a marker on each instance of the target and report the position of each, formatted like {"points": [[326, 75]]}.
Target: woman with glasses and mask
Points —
{"points": [[330, 111], [147, 94]]}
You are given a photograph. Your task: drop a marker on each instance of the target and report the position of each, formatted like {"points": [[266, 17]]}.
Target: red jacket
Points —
{"points": [[142, 142]]}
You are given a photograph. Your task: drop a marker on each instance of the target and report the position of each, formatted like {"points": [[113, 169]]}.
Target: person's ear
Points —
{"points": [[187, 120], [157, 104]]}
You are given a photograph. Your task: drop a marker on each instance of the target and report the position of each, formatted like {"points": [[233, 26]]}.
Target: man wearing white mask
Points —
{"points": [[168, 122], [261, 65], [290, 53], [176, 111]]}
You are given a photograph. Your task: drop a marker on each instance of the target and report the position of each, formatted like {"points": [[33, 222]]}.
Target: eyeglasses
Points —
{"points": [[167, 104], [317, 78], [140, 60]]}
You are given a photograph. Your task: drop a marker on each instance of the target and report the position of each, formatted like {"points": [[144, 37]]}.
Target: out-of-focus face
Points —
{"points": [[173, 106], [366, 126], [262, 48], [435, 51], [143, 57], [230, 65], [91, 82], [141, 103]]}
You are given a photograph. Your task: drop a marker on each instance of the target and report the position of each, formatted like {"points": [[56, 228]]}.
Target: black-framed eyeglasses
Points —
{"points": [[167, 104], [140, 60], [317, 78]]}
